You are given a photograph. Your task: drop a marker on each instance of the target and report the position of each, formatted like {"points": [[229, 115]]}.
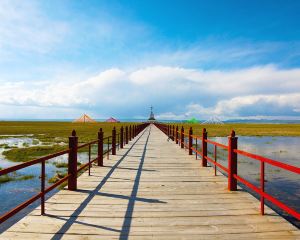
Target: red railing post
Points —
{"points": [[215, 158], [182, 137], [72, 161], [113, 147], [133, 132], [121, 137], [100, 147], [232, 161], [190, 141], [126, 134], [262, 187], [173, 134], [204, 148], [130, 133], [176, 135], [43, 177]]}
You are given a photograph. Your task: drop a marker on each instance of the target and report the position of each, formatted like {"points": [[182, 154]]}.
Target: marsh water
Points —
{"points": [[280, 183], [15, 192]]}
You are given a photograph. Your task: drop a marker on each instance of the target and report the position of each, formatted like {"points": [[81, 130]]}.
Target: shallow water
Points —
{"points": [[15, 192], [280, 183]]}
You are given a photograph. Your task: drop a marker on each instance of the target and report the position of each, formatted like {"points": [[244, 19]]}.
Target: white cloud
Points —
{"points": [[232, 107], [185, 92], [243, 81]]}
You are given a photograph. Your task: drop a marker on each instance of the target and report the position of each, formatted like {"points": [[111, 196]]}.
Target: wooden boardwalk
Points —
{"points": [[152, 189]]}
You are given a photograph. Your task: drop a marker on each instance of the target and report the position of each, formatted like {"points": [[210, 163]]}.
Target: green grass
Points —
{"points": [[244, 129], [30, 153], [6, 146], [60, 164], [59, 175], [35, 142], [52, 133], [8, 178], [24, 177], [5, 178], [56, 132], [63, 164]]}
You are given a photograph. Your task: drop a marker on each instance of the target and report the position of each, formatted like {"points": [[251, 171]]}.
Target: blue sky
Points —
{"points": [[231, 59]]}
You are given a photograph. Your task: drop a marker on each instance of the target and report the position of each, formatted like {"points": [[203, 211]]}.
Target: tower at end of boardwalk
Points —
{"points": [[151, 117]]}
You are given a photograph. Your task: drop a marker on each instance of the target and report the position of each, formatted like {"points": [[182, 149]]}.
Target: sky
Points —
{"points": [[230, 59]]}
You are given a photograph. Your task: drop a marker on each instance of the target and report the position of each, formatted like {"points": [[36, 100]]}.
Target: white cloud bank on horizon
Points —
{"points": [[175, 93]]}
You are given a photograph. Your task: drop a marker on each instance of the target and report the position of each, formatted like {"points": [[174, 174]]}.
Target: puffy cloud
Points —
{"points": [[246, 106], [175, 92]]}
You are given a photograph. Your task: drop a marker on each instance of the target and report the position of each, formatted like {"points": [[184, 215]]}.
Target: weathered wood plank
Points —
{"points": [[155, 191]]}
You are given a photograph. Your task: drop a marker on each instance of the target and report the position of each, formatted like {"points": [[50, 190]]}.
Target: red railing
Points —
{"points": [[231, 170], [113, 141]]}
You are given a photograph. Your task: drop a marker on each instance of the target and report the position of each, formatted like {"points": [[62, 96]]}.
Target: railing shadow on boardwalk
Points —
{"points": [[125, 230]]}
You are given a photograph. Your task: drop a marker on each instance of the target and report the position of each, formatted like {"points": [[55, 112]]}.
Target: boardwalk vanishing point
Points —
{"points": [[151, 189]]}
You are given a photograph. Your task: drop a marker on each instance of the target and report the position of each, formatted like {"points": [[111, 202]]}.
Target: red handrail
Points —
{"points": [[231, 152], [136, 129], [216, 144], [32, 162], [269, 161]]}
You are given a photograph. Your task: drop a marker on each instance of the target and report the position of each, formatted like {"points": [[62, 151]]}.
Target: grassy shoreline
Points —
{"points": [[60, 131], [56, 132], [52, 133], [245, 129], [14, 177]]}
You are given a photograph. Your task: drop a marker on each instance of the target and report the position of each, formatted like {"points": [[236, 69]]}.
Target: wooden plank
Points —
{"points": [[152, 189]]}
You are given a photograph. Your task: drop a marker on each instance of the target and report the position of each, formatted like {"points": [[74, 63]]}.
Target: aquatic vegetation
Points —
{"points": [[14, 177], [4, 145], [35, 142], [59, 175], [7, 146], [24, 177], [25, 144], [5, 178], [60, 164], [30, 153], [63, 164]]}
